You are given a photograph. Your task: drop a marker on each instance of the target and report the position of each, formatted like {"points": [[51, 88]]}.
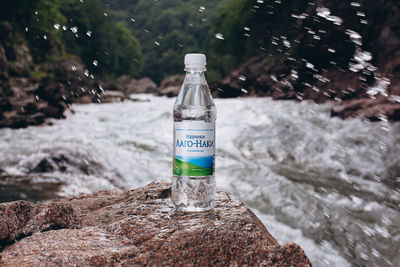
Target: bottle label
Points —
{"points": [[194, 148]]}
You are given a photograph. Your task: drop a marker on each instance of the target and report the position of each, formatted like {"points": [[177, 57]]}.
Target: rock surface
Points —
{"points": [[31, 93], [138, 227], [170, 86], [128, 85], [257, 77]]}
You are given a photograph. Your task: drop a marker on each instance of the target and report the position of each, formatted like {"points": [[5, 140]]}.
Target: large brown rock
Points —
{"points": [[170, 86], [128, 85], [138, 227], [140, 86], [45, 92], [373, 109]]}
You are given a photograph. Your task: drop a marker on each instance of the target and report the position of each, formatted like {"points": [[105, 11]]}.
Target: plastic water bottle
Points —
{"points": [[193, 182]]}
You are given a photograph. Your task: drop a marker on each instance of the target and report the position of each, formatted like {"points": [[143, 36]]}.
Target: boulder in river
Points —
{"points": [[170, 86], [128, 85], [374, 109], [138, 227]]}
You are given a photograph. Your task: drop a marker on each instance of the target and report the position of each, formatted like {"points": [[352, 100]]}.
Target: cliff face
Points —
{"points": [[136, 228]]}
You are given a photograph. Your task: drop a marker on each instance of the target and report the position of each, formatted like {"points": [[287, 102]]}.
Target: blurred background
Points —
{"points": [[307, 95]]}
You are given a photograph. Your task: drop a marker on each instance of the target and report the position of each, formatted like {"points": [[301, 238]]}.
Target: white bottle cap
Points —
{"points": [[195, 62]]}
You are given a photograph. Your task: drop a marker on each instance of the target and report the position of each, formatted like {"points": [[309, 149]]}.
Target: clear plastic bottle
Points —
{"points": [[193, 182]]}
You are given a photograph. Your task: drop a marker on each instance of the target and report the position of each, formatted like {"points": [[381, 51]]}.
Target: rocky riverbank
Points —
{"points": [[137, 227], [352, 97], [30, 92], [346, 52]]}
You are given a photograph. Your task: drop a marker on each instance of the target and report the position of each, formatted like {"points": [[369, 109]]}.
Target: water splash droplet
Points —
{"points": [[326, 14], [286, 43], [301, 16], [361, 14], [89, 33], [219, 36], [74, 29], [95, 63], [57, 26], [309, 65]]}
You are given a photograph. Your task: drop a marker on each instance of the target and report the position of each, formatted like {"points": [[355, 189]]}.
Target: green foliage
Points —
{"points": [[249, 28], [40, 75], [34, 20], [167, 30], [94, 35], [54, 28]]}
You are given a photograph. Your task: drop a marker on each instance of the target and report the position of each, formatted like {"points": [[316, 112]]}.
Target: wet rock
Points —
{"points": [[128, 86], [3, 64], [375, 109], [169, 91], [45, 93], [22, 64], [141, 86], [20, 218], [170, 86], [43, 166], [31, 187], [65, 69], [84, 100], [259, 78], [112, 96], [138, 227], [15, 55]]}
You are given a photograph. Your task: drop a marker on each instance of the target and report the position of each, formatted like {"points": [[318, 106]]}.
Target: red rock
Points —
{"points": [[138, 227]]}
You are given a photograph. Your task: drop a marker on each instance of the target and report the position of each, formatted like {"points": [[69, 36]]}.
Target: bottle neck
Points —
{"points": [[195, 77]]}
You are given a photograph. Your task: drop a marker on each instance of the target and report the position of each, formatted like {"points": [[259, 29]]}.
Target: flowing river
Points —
{"points": [[331, 186]]}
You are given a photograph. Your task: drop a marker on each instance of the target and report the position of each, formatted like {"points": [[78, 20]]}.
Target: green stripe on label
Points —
{"points": [[184, 168]]}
